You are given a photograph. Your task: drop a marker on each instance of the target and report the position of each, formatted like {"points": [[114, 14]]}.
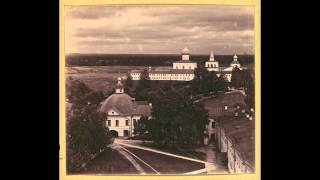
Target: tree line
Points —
{"points": [[145, 59], [86, 133]]}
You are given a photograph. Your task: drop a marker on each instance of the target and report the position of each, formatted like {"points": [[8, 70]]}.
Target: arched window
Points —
{"points": [[182, 67], [211, 65]]}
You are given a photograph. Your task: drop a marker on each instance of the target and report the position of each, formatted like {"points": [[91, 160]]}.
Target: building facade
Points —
{"points": [[182, 70], [122, 111], [231, 126], [213, 65]]}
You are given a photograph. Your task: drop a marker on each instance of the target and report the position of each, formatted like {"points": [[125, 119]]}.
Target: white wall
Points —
{"points": [[230, 155], [122, 124], [135, 76], [184, 65], [175, 77], [185, 57], [224, 143], [214, 64]]}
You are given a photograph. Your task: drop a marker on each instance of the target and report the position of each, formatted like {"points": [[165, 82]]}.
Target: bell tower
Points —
{"points": [[185, 54], [119, 87]]}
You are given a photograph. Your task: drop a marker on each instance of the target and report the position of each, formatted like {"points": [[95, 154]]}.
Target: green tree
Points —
{"points": [[221, 84], [86, 133], [236, 78], [204, 81], [141, 127], [128, 84], [176, 120]]}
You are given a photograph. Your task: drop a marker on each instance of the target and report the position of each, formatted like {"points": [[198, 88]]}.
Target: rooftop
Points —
{"points": [[141, 108], [241, 133], [121, 102], [215, 105]]}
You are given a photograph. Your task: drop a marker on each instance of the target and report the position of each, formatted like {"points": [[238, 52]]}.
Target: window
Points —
{"points": [[112, 112], [182, 67], [117, 122], [109, 122], [211, 65], [213, 124], [127, 122]]}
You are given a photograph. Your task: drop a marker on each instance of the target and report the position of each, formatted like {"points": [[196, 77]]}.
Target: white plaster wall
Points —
{"points": [[231, 160], [176, 77], [239, 166], [122, 124], [215, 64], [135, 76], [224, 143], [185, 57], [185, 65]]}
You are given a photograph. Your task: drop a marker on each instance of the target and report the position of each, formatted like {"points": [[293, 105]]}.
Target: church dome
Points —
{"points": [[119, 102], [235, 60], [185, 51]]}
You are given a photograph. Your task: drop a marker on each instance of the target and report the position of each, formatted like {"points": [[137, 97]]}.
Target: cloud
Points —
{"points": [[159, 28]]}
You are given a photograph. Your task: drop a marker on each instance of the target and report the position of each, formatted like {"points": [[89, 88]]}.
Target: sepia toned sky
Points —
{"points": [[159, 29]]}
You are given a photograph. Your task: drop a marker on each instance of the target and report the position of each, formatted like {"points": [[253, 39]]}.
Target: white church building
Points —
{"points": [[183, 70], [122, 111], [213, 65]]}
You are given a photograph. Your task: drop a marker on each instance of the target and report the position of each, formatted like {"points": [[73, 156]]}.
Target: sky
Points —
{"points": [[159, 29]]}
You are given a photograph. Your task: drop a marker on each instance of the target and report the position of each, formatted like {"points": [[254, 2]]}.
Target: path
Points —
{"points": [[212, 159], [128, 157], [209, 163]]}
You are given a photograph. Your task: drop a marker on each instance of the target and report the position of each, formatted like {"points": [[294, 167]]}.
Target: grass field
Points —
{"points": [[99, 78]]}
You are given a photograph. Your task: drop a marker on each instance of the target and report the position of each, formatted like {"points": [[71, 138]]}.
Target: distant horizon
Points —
{"points": [[154, 54]]}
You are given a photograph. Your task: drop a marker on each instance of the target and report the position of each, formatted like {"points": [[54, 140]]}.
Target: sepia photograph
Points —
{"points": [[159, 89]]}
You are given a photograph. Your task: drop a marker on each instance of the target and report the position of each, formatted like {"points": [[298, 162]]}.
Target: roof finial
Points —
{"points": [[211, 56], [235, 57]]}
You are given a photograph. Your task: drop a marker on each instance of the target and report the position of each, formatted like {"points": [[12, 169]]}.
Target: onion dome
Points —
{"points": [[185, 51]]}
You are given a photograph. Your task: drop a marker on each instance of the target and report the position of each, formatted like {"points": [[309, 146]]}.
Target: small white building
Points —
{"points": [[213, 65], [122, 111]]}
